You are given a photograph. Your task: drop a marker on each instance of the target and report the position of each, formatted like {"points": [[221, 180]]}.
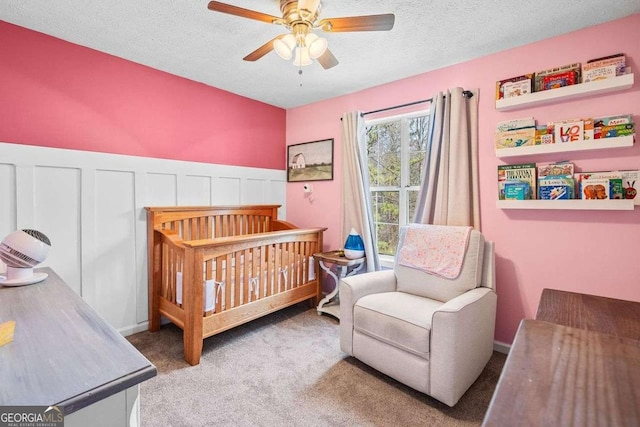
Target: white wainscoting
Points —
{"points": [[91, 206]]}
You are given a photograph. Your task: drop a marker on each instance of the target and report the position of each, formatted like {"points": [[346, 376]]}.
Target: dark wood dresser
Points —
{"points": [[576, 364]]}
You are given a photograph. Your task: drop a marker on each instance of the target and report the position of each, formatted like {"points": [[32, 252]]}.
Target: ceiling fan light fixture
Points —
{"points": [[307, 8], [284, 46], [317, 45], [302, 57]]}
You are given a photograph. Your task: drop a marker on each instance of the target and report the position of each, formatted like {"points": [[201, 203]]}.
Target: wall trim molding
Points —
{"points": [[91, 206]]}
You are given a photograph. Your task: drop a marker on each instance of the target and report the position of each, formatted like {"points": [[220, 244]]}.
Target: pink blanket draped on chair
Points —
{"points": [[435, 249]]}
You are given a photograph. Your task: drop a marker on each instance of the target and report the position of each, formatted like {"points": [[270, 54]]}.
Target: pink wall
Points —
{"points": [[58, 94], [594, 252]]}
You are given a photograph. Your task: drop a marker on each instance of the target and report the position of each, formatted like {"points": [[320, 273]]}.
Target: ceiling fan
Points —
{"points": [[301, 17]]}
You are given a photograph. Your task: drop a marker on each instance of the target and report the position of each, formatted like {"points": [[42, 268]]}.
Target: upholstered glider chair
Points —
{"points": [[429, 322]]}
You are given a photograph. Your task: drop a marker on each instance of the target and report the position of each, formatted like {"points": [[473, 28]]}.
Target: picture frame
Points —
{"points": [[310, 161]]}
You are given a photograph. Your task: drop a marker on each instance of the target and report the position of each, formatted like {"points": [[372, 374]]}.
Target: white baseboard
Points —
{"points": [[501, 347], [134, 329]]}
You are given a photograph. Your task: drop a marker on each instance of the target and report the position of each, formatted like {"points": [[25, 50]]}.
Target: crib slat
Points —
{"points": [[295, 265], [267, 269], [277, 249], [164, 273], [218, 295], [171, 282], [237, 280], [255, 267], [228, 282], [286, 267]]}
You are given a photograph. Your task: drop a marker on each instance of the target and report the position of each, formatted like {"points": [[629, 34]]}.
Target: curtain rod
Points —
{"points": [[465, 93]]}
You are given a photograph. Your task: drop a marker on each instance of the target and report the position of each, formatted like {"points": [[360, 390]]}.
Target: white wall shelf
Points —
{"points": [[567, 92], [596, 144], [604, 205]]}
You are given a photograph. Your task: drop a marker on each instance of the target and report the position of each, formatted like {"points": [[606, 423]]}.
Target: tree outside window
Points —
{"points": [[396, 147]]}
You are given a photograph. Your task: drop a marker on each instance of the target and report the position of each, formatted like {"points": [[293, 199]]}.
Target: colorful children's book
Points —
{"points": [[631, 185], [524, 172]]}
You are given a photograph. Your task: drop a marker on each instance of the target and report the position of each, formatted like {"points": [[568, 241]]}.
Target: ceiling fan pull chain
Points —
{"points": [[300, 73]]}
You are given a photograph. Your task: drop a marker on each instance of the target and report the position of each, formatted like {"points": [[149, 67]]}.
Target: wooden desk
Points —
{"points": [[599, 314], [561, 376], [64, 354], [577, 364], [330, 304]]}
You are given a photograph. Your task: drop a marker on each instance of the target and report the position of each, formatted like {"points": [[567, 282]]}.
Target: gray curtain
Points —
{"points": [[356, 197], [449, 192]]}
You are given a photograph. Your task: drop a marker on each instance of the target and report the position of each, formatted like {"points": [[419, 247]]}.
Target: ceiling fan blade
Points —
{"points": [[244, 13], [327, 60], [359, 23], [262, 50]]}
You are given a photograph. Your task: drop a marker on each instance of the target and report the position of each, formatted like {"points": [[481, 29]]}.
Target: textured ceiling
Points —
{"points": [[184, 38]]}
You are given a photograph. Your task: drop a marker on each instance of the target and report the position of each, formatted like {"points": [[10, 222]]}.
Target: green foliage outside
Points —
{"points": [[384, 147]]}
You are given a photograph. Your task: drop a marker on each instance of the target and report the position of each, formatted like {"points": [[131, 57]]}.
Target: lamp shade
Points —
{"points": [[316, 45], [302, 57], [284, 46], [353, 246]]}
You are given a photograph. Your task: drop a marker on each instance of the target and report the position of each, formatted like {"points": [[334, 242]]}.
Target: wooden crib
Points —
{"points": [[212, 268]]}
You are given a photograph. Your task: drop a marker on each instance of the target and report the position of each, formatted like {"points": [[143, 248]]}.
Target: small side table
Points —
{"points": [[346, 267]]}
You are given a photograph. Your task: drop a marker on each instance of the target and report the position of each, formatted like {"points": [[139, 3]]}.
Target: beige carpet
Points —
{"points": [[286, 369]]}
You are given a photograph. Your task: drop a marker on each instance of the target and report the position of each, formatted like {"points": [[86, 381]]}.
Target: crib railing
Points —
{"points": [[206, 222], [240, 269]]}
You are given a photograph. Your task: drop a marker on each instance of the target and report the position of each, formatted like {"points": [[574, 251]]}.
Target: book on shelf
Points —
{"points": [[515, 133], [555, 188], [631, 185], [519, 173], [555, 81], [516, 190], [613, 126], [544, 135], [514, 86], [614, 131], [587, 182], [556, 181], [558, 76], [604, 68], [569, 131], [514, 124]]}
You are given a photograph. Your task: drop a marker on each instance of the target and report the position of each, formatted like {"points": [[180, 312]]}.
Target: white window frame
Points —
{"points": [[404, 188]]}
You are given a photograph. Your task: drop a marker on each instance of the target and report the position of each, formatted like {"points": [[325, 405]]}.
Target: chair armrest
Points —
{"points": [[351, 290], [462, 332]]}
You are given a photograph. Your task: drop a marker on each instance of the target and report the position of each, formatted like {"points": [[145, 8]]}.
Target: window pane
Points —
{"points": [[386, 218], [418, 127], [412, 197], [383, 147]]}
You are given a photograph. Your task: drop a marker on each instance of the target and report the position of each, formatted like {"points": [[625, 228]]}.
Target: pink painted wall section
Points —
{"points": [[57, 94], [594, 252]]}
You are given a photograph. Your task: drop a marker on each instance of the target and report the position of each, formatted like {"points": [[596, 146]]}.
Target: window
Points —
{"points": [[396, 147]]}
